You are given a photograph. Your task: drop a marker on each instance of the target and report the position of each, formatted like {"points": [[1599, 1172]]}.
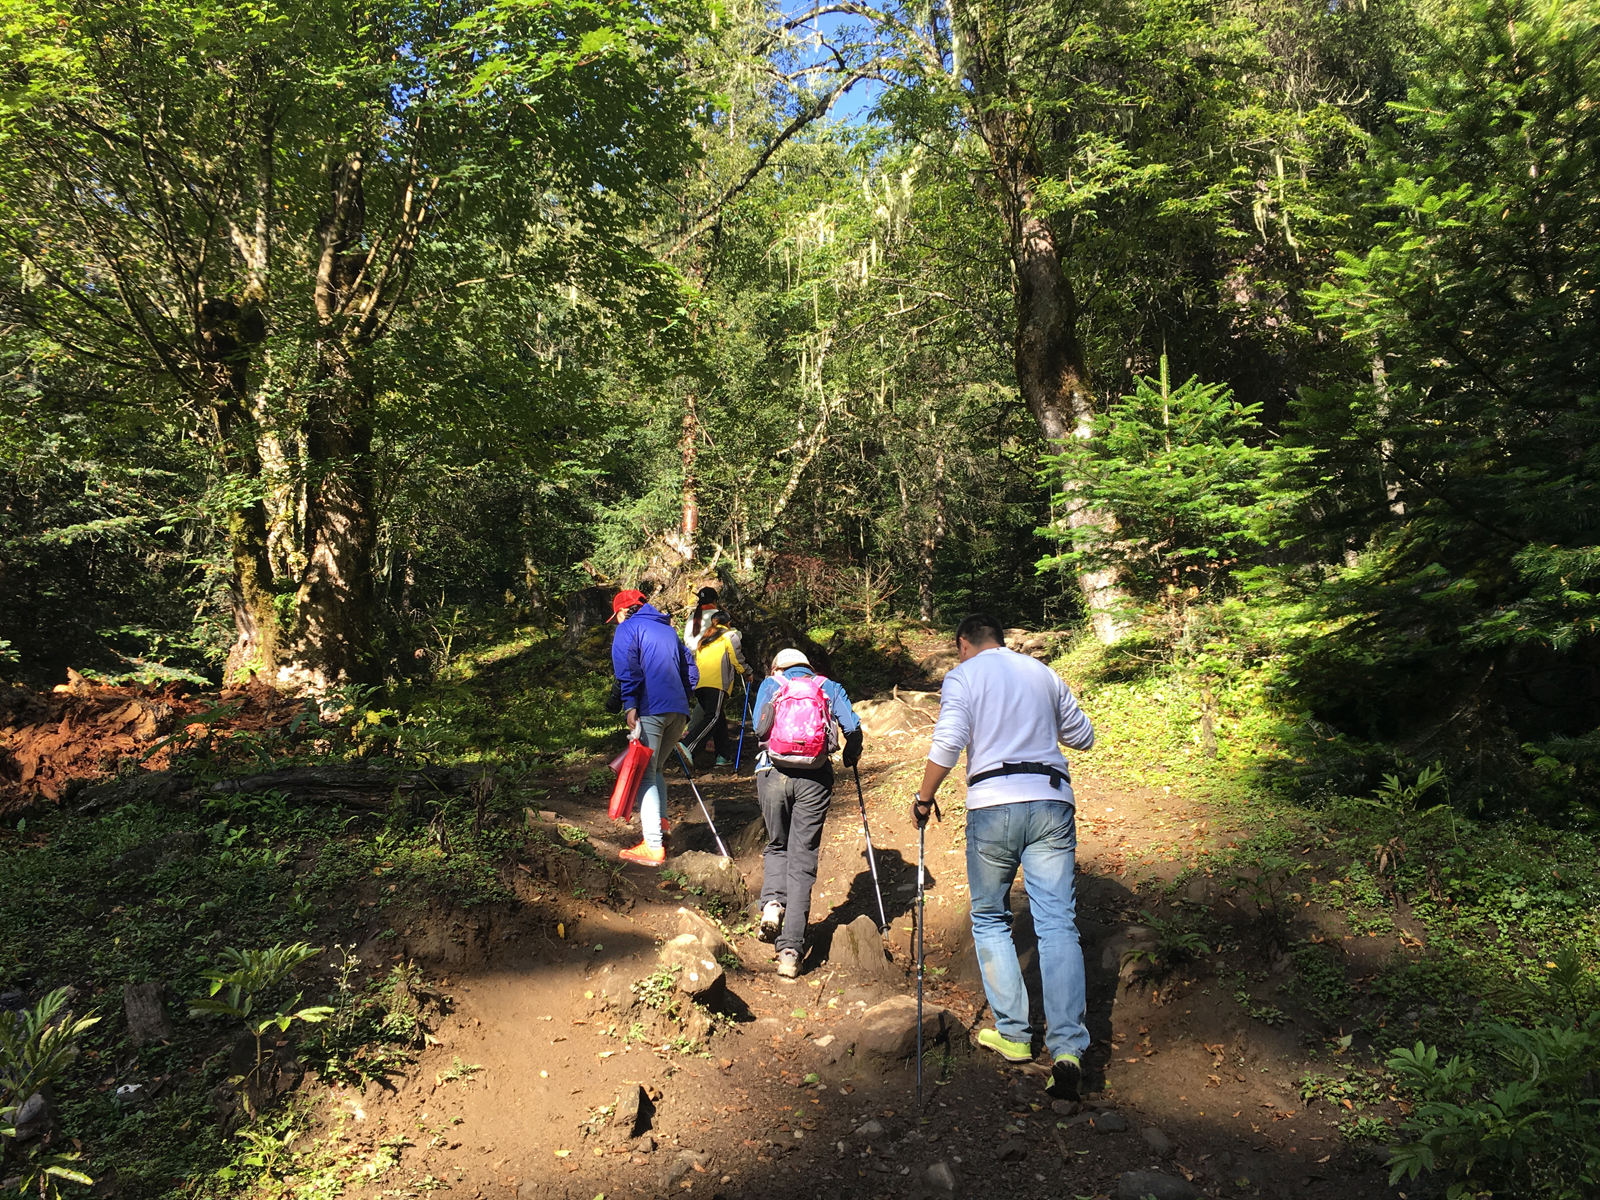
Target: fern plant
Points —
{"points": [[240, 978], [35, 1050]]}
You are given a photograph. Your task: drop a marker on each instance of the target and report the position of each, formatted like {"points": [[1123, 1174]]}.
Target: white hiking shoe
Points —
{"points": [[771, 921], [789, 963]]}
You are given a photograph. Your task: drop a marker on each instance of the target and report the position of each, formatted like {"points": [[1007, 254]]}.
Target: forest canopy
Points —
{"points": [[1274, 318]]}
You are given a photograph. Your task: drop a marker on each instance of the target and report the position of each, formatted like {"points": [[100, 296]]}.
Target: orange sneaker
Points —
{"points": [[644, 856]]}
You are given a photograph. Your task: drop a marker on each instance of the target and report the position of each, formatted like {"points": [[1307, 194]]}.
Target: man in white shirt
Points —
{"points": [[1011, 714]]}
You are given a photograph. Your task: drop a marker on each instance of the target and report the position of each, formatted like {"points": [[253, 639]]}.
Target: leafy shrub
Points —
{"points": [[35, 1051], [1525, 1125]]}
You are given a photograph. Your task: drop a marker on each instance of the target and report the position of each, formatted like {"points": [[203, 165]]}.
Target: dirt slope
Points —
{"points": [[541, 1039]]}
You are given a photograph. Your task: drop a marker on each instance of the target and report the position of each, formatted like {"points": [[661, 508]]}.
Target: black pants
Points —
{"points": [[794, 805], [709, 721]]}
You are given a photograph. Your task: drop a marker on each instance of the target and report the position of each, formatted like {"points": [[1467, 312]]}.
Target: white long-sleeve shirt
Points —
{"points": [[1003, 707]]}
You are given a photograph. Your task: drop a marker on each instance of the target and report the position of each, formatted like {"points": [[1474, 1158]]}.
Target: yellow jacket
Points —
{"points": [[718, 658]]}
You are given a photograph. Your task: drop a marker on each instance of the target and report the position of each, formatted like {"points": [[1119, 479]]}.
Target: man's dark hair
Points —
{"points": [[980, 629]]}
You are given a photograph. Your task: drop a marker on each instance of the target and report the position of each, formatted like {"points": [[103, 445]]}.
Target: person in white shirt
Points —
{"points": [[1011, 714]]}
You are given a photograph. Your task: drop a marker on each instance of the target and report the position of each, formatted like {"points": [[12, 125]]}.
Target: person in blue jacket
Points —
{"points": [[794, 805], [657, 676]]}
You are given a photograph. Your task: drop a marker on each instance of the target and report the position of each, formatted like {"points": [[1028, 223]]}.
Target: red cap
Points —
{"points": [[626, 598]]}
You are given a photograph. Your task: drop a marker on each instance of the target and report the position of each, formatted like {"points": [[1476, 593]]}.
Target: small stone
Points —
{"points": [[1160, 1145], [941, 1179], [630, 1104], [33, 1118], [1065, 1108], [530, 1189], [1137, 1185], [868, 1131], [1109, 1122], [857, 952], [686, 1161], [1013, 1152], [645, 1143]]}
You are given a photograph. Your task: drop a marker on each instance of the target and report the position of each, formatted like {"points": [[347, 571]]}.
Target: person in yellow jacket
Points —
{"points": [[720, 658]]}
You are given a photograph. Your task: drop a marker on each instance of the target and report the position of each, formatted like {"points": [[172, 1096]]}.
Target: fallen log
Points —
{"points": [[356, 785]]}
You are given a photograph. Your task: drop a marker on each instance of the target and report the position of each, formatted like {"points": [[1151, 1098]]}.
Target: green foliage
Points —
{"points": [[1177, 470], [659, 990], [37, 1046], [1457, 469], [1525, 1122], [1176, 943], [241, 978]]}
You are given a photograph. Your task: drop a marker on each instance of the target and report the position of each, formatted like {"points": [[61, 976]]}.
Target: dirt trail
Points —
{"points": [[543, 1043]]}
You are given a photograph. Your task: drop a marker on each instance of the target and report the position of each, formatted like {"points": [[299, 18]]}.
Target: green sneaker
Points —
{"points": [[1065, 1077], [1017, 1052]]}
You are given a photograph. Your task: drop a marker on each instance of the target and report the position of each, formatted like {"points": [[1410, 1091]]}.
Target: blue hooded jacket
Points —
{"points": [[655, 668]]}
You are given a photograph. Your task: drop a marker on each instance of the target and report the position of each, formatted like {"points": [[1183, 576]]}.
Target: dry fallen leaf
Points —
{"points": [[1213, 1081]]}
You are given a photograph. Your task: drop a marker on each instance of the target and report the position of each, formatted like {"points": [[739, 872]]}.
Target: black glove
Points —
{"points": [[852, 748], [614, 699]]}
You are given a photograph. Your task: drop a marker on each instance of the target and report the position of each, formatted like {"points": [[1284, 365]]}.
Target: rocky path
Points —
{"points": [[556, 1072]]}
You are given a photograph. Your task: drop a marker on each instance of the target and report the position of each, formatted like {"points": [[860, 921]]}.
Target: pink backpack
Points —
{"points": [[802, 724]]}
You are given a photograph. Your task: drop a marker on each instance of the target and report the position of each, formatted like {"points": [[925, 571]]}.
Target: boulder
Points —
{"points": [[1137, 1185], [711, 872], [889, 1029], [857, 952], [146, 1009], [702, 927], [700, 976]]}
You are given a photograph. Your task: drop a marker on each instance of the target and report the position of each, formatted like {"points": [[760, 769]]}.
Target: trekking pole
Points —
{"points": [[690, 777], [922, 837], [872, 861], [743, 718]]}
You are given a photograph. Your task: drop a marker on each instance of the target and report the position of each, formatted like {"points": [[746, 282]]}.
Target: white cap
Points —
{"points": [[790, 658]]}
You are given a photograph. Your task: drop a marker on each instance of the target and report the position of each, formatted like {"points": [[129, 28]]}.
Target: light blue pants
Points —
{"points": [[1041, 837], [660, 732]]}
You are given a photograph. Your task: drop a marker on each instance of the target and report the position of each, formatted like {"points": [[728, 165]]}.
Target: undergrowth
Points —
{"points": [[1490, 911]]}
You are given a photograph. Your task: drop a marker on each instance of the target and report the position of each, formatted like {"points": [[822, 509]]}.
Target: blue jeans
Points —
{"points": [[661, 733], [1041, 837]]}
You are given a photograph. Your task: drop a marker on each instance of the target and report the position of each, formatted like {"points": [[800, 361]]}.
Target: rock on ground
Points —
{"points": [[711, 872], [890, 1029], [857, 952], [942, 1179], [1137, 1185], [702, 927], [145, 1006], [700, 975], [1160, 1145]]}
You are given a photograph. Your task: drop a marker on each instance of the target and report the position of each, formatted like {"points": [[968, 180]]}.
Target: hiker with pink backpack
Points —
{"points": [[801, 719]]}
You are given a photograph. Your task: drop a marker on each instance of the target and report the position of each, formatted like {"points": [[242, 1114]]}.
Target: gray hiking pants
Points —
{"points": [[794, 807]]}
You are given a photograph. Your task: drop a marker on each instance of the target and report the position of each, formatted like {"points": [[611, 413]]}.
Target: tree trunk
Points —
{"points": [[930, 544], [691, 499], [1051, 368], [334, 608], [227, 332]]}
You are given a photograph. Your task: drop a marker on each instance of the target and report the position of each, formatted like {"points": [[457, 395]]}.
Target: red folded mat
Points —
{"points": [[629, 766]]}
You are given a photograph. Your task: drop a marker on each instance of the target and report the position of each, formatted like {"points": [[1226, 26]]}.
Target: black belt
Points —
{"points": [[1058, 775]]}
